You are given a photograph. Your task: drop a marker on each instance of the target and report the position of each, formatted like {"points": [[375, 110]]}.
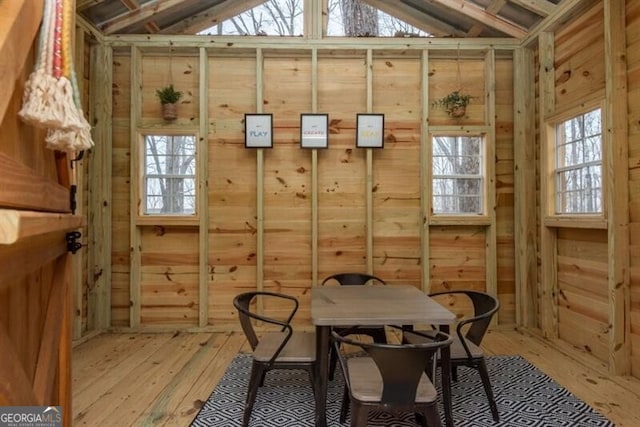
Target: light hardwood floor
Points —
{"points": [[148, 379]]}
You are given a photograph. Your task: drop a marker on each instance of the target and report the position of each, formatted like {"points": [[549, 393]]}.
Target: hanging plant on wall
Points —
{"points": [[168, 98], [455, 103]]}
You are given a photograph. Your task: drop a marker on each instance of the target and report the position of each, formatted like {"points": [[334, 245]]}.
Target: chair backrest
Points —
{"points": [[484, 307], [401, 365], [353, 279], [242, 303]]}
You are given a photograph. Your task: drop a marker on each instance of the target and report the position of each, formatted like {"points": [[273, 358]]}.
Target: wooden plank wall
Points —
{"points": [[583, 299], [121, 154], [581, 253], [169, 253], [633, 81]]}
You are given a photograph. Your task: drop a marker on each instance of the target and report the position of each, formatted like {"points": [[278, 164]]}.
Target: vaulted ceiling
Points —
{"points": [[442, 18]]}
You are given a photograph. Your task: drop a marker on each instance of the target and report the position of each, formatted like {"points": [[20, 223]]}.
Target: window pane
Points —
{"points": [[592, 123], [573, 130], [170, 169], [358, 19], [579, 159], [271, 18], [593, 149], [457, 174]]}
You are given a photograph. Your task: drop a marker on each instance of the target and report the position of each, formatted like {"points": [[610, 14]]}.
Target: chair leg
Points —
{"points": [[454, 373], [333, 360], [421, 419], [432, 416], [359, 415], [312, 378], [264, 375], [257, 373], [486, 382], [344, 408]]}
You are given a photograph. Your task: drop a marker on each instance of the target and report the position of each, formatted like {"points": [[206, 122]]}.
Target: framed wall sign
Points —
{"points": [[314, 130], [370, 130], [258, 130]]}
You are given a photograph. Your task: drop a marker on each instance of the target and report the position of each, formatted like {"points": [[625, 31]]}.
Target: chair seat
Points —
{"points": [[457, 350], [366, 382], [300, 348]]}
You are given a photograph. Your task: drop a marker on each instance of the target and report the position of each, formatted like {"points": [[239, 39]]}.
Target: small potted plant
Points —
{"points": [[168, 97], [455, 103]]}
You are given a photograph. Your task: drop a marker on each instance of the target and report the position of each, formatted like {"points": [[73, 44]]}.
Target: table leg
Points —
{"points": [[445, 372], [322, 373]]}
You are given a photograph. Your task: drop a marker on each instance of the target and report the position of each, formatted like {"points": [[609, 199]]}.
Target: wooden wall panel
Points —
{"points": [[286, 92], [121, 187], [159, 71], [443, 79], [232, 185], [169, 275], [633, 82], [579, 60], [582, 289], [396, 171], [504, 187], [287, 178], [341, 169], [457, 258]]}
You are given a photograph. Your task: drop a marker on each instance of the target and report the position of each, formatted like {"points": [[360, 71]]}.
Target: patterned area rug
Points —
{"points": [[525, 396]]}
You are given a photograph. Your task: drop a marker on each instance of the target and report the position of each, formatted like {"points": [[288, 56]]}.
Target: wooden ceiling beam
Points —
{"points": [[479, 14], [540, 7], [493, 8], [417, 19], [150, 26], [86, 4], [143, 13], [211, 16]]}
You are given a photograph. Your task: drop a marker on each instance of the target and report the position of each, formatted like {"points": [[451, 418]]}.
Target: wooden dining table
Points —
{"points": [[372, 305]]}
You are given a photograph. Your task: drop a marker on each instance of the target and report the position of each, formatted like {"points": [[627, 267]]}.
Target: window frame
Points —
{"points": [[551, 215], [170, 218], [448, 218]]}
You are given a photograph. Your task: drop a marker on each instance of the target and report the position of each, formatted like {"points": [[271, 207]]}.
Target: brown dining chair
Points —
{"points": [[465, 350], [377, 333], [390, 378], [283, 348]]}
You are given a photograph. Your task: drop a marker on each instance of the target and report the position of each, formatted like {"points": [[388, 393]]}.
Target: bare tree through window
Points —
{"points": [[169, 174], [579, 164], [353, 18], [457, 175]]}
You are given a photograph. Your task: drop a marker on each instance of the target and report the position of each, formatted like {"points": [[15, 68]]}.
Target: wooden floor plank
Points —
{"points": [[97, 369], [133, 394], [165, 381], [182, 403], [617, 400]]}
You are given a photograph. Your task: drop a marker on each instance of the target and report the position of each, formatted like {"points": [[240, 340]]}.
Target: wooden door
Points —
{"points": [[35, 219]]}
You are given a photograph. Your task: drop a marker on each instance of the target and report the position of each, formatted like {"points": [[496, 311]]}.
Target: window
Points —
{"points": [[578, 172], [358, 19], [457, 174], [169, 181], [271, 18]]}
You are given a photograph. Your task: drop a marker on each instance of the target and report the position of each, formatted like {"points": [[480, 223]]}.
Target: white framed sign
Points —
{"points": [[258, 130], [370, 130], [314, 130]]}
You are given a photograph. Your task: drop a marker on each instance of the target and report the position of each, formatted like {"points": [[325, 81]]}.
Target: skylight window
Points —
{"points": [[349, 18]]}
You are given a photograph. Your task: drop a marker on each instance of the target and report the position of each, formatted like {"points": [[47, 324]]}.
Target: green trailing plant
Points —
{"points": [[455, 103], [168, 95]]}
